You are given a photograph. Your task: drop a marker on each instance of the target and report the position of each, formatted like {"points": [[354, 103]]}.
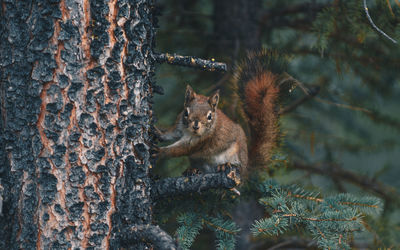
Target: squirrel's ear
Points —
{"points": [[213, 100], [189, 95]]}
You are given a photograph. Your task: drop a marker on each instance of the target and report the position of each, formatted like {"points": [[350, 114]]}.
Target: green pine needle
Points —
{"points": [[190, 226], [331, 221]]}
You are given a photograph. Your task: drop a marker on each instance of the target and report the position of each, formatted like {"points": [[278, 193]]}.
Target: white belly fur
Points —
{"points": [[229, 155]]}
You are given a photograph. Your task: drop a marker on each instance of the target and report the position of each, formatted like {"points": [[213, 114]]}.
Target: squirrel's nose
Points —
{"points": [[196, 125]]}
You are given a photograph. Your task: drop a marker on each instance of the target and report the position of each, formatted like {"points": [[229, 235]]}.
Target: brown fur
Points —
{"points": [[210, 143], [216, 142], [261, 95], [260, 86]]}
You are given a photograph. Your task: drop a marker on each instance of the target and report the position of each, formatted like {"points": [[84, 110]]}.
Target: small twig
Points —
{"points": [[317, 219], [310, 94], [345, 106], [303, 87], [310, 198], [150, 233], [373, 24], [390, 7], [358, 204], [218, 227], [185, 185], [191, 61], [319, 230]]}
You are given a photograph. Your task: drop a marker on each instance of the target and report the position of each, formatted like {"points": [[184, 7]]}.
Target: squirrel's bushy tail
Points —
{"points": [[258, 79]]}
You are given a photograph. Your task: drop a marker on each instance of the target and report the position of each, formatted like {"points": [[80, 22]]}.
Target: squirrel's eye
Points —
{"points": [[186, 113], [209, 117]]}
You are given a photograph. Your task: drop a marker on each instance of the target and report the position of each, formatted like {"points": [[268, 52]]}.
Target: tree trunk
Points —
{"points": [[75, 108]]}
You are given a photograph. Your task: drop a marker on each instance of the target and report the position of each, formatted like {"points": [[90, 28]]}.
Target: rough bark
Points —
{"points": [[154, 234], [75, 103], [191, 61], [175, 186]]}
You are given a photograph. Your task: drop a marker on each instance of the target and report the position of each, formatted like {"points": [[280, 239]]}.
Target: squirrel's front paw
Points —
{"points": [[158, 133], [157, 152], [223, 167]]}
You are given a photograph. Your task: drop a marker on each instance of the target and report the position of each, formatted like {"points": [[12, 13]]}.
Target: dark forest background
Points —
{"points": [[344, 139]]}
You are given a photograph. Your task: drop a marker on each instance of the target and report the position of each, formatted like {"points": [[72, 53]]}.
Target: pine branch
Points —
{"points": [[190, 225], [367, 183], [331, 220], [150, 233], [225, 232], [185, 185], [310, 198], [318, 219], [191, 61], [364, 204], [219, 228]]}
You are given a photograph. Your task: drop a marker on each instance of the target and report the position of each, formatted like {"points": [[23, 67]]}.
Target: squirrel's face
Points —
{"points": [[199, 114]]}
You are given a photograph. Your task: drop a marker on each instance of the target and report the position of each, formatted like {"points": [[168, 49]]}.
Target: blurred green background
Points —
{"points": [[346, 138]]}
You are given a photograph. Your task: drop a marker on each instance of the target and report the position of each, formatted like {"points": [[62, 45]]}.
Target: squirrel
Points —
{"points": [[211, 139]]}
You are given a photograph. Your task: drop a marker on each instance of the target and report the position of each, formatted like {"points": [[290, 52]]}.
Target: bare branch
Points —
{"points": [[190, 61], [184, 185], [150, 233], [374, 25]]}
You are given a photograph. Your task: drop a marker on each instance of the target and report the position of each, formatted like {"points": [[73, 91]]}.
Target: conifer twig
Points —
{"points": [[154, 234], [310, 198], [191, 61], [185, 185], [318, 219], [374, 25], [219, 228]]}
